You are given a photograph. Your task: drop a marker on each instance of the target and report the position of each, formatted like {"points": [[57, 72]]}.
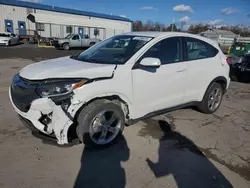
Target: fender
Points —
{"points": [[76, 105], [219, 79]]}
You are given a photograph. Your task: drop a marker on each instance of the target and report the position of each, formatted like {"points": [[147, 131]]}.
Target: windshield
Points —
{"points": [[116, 50], [69, 36], [4, 35]]}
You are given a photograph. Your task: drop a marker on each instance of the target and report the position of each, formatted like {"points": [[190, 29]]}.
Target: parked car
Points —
{"points": [[241, 69], [94, 94], [74, 41], [8, 39], [240, 47]]}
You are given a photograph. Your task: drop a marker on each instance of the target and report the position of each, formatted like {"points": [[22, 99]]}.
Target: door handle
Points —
{"points": [[181, 70]]}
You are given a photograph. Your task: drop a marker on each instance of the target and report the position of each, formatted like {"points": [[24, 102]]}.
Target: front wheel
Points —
{"points": [[212, 99], [66, 46], [100, 123], [9, 43]]}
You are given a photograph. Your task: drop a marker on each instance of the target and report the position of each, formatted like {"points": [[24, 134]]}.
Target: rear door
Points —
{"points": [[160, 88], [203, 65]]}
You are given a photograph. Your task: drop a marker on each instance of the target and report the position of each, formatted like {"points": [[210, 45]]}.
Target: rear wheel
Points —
{"points": [[66, 46], [100, 123], [212, 99]]}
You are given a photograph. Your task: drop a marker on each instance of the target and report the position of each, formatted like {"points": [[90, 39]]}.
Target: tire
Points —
{"points": [[206, 105], [66, 46], [9, 43], [88, 117]]}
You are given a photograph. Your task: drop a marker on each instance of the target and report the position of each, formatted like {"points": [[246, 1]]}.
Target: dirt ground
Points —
{"points": [[180, 149]]}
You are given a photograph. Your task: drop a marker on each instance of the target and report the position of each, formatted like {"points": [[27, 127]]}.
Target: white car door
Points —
{"points": [[203, 65], [159, 88], [75, 41]]}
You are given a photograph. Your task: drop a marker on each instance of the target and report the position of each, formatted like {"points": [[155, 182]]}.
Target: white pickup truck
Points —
{"points": [[74, 41]]}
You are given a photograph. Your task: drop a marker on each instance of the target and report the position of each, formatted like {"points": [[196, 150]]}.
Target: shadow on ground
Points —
{"points": [[102, 168], [181, 158]]}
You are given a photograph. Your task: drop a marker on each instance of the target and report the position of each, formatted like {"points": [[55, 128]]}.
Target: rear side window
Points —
{"points": [[167, 50], [197, 49]]}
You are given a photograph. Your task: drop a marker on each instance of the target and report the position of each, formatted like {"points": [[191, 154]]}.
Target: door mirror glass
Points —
{"points": [[150, 62]]}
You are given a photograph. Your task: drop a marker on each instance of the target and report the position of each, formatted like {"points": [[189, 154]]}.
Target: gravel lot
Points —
{"points": [[180, 149]]}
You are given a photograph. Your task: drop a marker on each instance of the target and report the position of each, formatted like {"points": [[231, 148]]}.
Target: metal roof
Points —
{"points": [[62, 10], [219, 32], [70, 20]]}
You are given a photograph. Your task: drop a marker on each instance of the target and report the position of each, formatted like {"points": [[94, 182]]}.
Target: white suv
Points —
{"points": [[117, 82]]}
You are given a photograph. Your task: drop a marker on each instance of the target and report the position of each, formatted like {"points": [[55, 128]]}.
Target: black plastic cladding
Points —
{"points": [[23, 93]]}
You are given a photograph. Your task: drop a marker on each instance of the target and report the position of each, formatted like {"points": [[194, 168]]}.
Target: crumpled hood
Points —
{"points": [[66, 67]]}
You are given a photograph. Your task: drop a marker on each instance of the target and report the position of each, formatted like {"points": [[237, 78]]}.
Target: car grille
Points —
{"points": [[23, 93]]}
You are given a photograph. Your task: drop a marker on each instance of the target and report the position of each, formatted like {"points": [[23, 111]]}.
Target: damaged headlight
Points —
{"points": [[55, 88]]}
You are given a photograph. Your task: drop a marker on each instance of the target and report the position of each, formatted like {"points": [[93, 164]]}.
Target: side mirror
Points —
{"points": [[151, 62]]}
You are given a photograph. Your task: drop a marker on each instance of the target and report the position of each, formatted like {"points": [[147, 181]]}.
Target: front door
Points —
{"points": [[160, 88], [75, 41], [9, 26], [22, 28], [81, 32]]}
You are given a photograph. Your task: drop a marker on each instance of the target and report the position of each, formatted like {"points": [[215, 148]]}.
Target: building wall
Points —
{"points": [[15, 14], [88, 23], [55, 23]]}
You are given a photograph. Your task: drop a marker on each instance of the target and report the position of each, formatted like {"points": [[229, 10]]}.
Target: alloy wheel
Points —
{"points": [[105, 127], [214, 99]]}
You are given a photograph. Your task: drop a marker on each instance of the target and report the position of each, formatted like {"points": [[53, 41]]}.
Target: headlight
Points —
{"points": [[5, 40], [50, 89]]}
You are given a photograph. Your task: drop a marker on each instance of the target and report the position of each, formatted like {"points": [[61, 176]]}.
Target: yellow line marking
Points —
{"points": [[43, 46], [4, 89]]}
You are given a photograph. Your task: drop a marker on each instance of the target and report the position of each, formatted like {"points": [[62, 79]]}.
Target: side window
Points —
{"points": [[75, 37], [167, 50], [197, 49], [69, 29]]}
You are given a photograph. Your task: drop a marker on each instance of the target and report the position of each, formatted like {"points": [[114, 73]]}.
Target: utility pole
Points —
{"points": [[172, 29]]}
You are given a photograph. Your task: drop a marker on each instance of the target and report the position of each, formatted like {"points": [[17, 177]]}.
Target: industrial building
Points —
{"points": [[26, 18], [214, 34]]}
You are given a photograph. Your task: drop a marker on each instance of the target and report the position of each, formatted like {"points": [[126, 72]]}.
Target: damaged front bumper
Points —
{"points": [[45, 116]]}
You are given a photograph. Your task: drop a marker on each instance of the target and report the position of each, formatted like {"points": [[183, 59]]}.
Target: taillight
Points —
{"points": [[229, 60]]}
